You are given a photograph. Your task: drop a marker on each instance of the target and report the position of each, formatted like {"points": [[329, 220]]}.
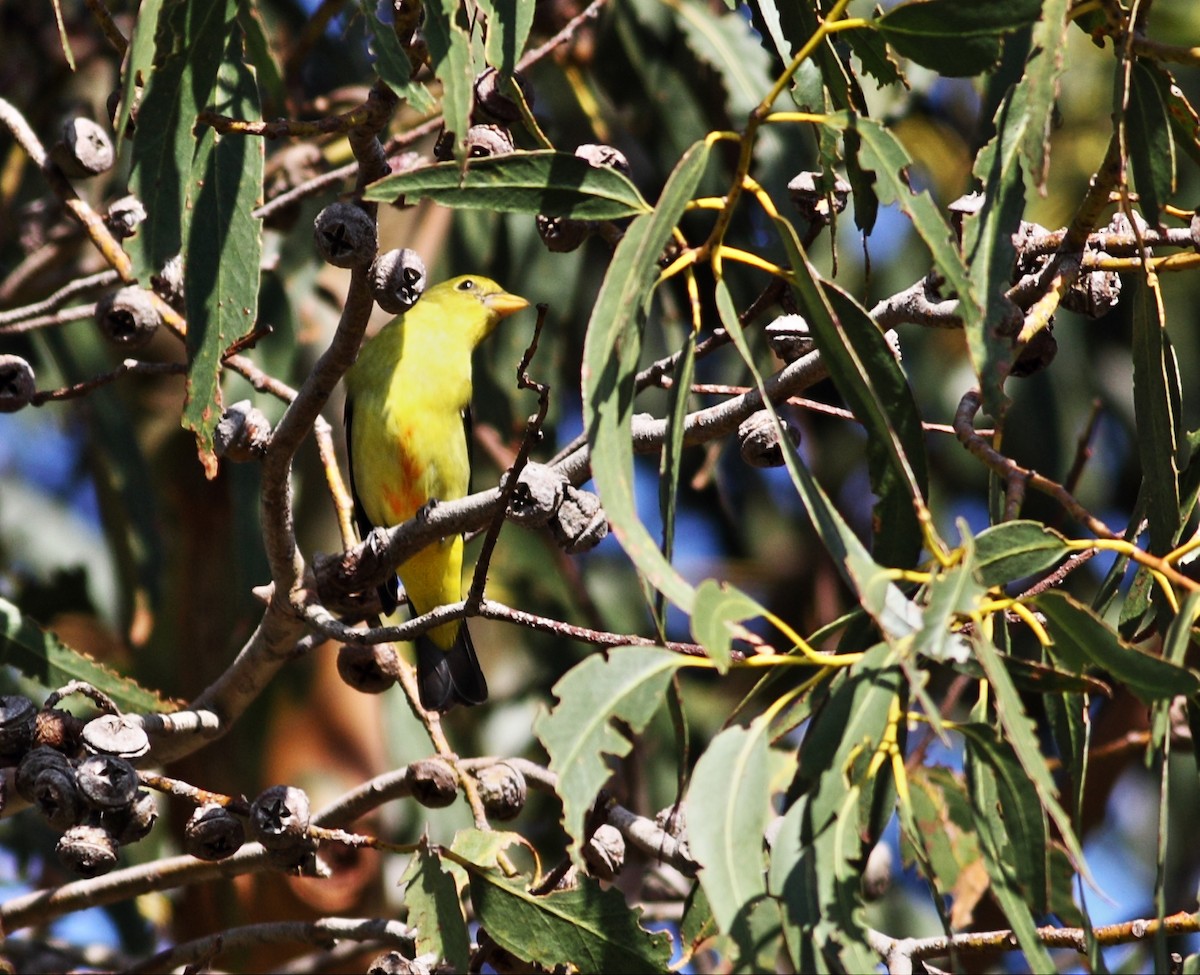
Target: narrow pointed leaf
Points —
{"points": [[557, 184], [224, 248], [431, 897], [1081, 638], [610, 360], [391, 63], [446, 33], [1013, 550], [1150, 138]]}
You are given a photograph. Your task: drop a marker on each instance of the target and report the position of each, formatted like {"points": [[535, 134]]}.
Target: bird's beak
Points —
{"points": [[504, 304]]}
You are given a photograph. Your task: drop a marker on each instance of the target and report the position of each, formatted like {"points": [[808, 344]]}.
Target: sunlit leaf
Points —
{"points": [[554, 183]]}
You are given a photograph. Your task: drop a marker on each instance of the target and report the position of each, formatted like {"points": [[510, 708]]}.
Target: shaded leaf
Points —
{"points": [[955, 37], [392, 64], [1156, 398], [1082, 638], [40, 656], [446, 33], [431, 896], [223, 252], [557, 184], [1150, 139], [190, 48]]}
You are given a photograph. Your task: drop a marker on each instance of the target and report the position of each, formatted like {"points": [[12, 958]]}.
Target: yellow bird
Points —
{"points": [[407, 416]]}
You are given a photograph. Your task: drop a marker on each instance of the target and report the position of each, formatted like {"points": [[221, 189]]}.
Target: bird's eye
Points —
{"points": [[467, 285]]}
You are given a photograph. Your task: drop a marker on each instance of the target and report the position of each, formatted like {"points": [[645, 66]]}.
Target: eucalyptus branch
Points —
{"points": [[324, 932], [900, 954]]}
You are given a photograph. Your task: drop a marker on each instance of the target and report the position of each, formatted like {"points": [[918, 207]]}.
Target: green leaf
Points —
{"points": [[392, 64], [627, 687], [995, 778], [1082, 638], [864, 369], [1156, 398], [431, 897], [1008, 810], [1013, 550], [989, 252], [1037, 91], [852, 720], [139, 63], [1022, 736], [728, 805], [955, 37], [40, 656], [728, 44], [224, 250], [586, 927], [557, 184], [670, 466], [1150, 138], [508, 25], [698, 923], [718, 606], [943, 829], [885, 603], [952, 592], [610, 361], [190, 49], [447, 35], [260, 56]]}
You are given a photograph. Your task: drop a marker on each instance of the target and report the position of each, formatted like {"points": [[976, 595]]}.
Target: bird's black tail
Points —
{"points": [[449, 677]]}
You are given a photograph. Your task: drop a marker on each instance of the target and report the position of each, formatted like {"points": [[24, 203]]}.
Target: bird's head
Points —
{"points": [[476, 302]]}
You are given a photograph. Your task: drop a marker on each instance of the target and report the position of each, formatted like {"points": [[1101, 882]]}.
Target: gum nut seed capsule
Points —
{"points": [[790, 337], [17, 716], [580, 523], [85, 149], [128, 318], [1038, 353], [433, 783], [561, 235], [813, 201], [17, 384], [759, 439], [604, 852], [397, 279], [345, 235], [58, 729], [1094, 294], [56, 795], [488, 140], [370, 670], [394, 963], [493, 102], [36, 761], [601, 156], [88, 851], [116, 734], [503, 790], [213, 833], [125, 216], [168, 283], [538, 494], [107, 782], [877, 875], [242, 434], [279, 817], [134, 824]]}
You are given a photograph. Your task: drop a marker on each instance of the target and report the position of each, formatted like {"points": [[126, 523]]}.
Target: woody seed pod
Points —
{"points": [[17, 384], [345, 235], [85, 149], [88, 851], [128, 318], [760, 442], [397, 279], [213, 833]]}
